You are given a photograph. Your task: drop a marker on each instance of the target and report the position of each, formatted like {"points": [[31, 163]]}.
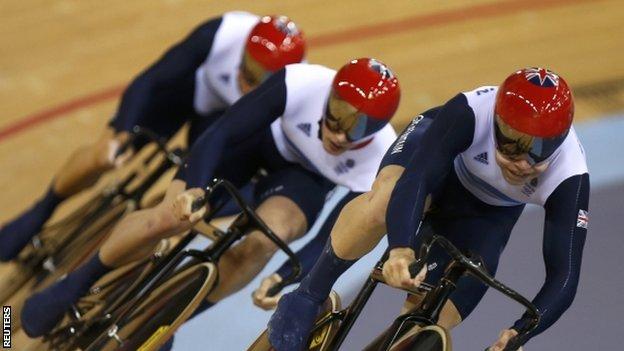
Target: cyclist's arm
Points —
{"points": [[151, 87], [564, 237], [249, 115], [308, 254], [450, 133]]}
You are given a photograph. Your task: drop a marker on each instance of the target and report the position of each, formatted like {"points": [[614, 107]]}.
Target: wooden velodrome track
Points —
{"points": [[64, 63]]}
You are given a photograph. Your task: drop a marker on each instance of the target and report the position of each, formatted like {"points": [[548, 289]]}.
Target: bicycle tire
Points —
{"points": [[156, 319]]}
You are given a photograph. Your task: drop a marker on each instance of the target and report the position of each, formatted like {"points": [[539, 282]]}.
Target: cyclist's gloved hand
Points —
{"points": [[183, 206], [503, 338], [260, 297], [396, 269]]}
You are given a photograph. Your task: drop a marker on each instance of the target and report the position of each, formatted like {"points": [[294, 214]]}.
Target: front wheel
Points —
{"points": [[157, 318], [429, 338], [420, 337]]}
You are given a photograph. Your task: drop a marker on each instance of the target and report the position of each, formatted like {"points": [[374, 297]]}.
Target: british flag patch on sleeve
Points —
{"points": [[582, 220]]}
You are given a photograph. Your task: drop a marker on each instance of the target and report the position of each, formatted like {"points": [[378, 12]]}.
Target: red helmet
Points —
{"points": [[276, 42], [371, 87], [537, 102]]}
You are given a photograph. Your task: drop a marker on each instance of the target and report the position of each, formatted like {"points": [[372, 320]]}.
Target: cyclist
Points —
{"points": [[194, 81], [477, 160], [309, 126]]}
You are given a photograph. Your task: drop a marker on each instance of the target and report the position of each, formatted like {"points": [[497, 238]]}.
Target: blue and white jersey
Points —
{"points": [[478, 171], [216, 84], [298, 140]]}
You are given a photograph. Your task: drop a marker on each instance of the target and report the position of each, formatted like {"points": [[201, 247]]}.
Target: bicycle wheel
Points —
{"points": [[419, 337], [429, 338], [156, 319], [320, 338], [105, 296]]}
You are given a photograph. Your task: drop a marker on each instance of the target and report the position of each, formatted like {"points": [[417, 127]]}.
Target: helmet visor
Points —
{"points": [[341, 117], [515, 144], [251, 71]]}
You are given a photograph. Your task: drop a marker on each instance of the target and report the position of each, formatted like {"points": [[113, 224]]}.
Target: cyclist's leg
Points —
{"points": [[356, 232], [308, 254], [359, 227], [362, 222], [132, 238], [486, 237], [85, 165], [312, 250], [289, 199]]}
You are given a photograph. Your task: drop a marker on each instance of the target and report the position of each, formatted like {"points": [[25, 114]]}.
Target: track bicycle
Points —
{"points": [[333, 325], [164, 291]]}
